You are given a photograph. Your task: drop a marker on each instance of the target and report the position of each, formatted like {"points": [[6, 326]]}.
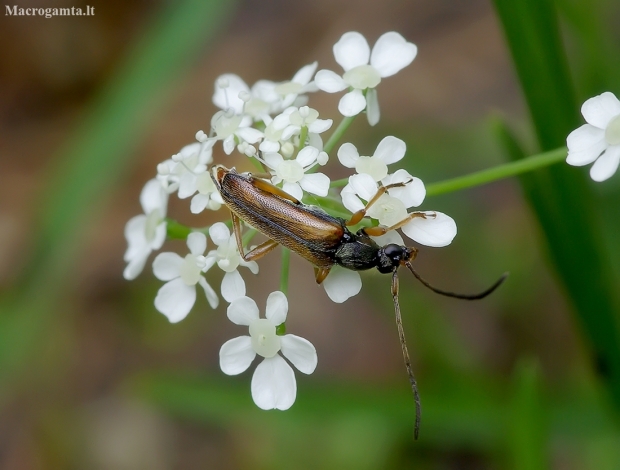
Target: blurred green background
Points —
{"points": [[93, 377]]}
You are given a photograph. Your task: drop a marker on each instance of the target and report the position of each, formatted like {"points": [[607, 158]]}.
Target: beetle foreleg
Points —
{"points": [[378, 231], [360, 214]]}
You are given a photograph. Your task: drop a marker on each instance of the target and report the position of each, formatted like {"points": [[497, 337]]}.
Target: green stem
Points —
{"points": [[286, 257], [338, 133], [303, 135], [515, 168], [339, 183]]}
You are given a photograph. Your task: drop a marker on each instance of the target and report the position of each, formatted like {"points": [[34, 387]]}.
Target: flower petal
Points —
{"points": [[364, 185], [294, 190], [307, 156], [606, 165], [391, 149], [211, 295], [412, 194], [273, 384], [219, 233], [585, 144], [236, 355], [352, 103], [300, 352], [348, 155], [304, 74], [154, 196], [320, 125], [389, 237], [351, 50], [233, 286], [350, 200], [392, 53], [600, 109], [228, 98], [373, 113], [329, 81], [197, 243], [166, 266], [242, 311], [199, 203], [277, 308], [315, 183], [135, 236], [136, 264], [437, 229], [175, 299], [341, 284]]}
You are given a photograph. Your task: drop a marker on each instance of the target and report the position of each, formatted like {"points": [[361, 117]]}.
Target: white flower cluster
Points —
{"points": [[271, 124]]}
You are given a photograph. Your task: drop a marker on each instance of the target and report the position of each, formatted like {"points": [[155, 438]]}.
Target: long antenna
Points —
{"points": [[403, 345], [481, 295]]}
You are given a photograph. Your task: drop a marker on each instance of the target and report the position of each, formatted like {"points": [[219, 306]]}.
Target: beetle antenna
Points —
{"points": [[403, 345], [481, 295]]}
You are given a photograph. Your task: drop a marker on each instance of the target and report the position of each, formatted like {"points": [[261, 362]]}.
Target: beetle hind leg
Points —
{"points": [[320, 274], [258, 252]]}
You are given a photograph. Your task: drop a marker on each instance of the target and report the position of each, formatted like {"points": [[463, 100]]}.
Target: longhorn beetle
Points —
{"points": [[323, 240]]}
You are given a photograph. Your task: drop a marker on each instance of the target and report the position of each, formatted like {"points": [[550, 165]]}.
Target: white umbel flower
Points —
{"points": [[228, 259], [597, 141], [363, 70], [146, 232], [273, 382], [177, 297], [390, 150], [292, 173], [432, 229]]}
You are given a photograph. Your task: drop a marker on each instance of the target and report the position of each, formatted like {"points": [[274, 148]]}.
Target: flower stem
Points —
{"points": [[338, 133], [479, 178], [286, 258]]}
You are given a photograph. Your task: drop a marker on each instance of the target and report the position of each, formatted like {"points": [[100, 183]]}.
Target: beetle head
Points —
{"points": [[391, 256]]}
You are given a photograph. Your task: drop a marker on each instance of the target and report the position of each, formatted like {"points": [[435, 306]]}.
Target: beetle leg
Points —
{"points": [[378, 230], [271, 189], [258, 252], [320, 274], [360, 214]]}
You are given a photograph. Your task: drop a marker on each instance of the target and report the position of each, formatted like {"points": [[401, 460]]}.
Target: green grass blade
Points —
{"points": [[562, 197]]}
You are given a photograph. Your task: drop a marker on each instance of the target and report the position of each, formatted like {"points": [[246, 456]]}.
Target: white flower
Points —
{"points": [[430, 228], [292, 173], [229, 126], [363, 70], [177, 297], [232, 93], [273, 382], [301, 83], [228, 259], [208, 195], [599, 140], [181, 172], [390, 150], [146, 232]]}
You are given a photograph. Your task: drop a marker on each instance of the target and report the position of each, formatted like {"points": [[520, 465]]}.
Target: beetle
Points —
{"points": [[323, 240]]}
